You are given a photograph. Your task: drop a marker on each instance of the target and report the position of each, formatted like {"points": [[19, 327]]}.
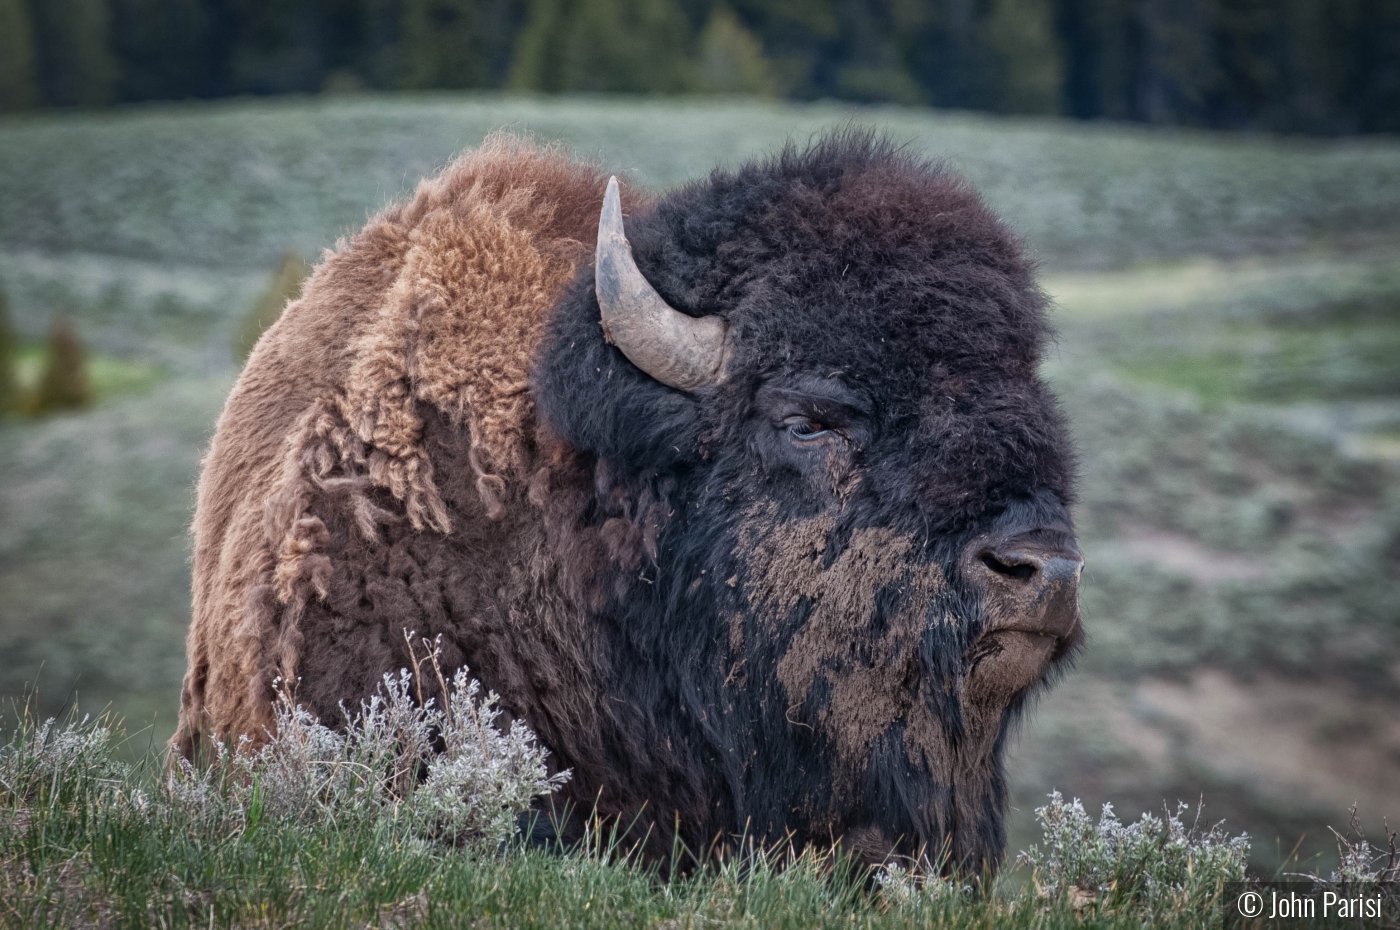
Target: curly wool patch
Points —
{"points": [[454, 331], [438, 302]]}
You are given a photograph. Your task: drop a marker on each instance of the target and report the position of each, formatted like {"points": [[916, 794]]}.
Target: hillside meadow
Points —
{"points": [[1229, 354]]}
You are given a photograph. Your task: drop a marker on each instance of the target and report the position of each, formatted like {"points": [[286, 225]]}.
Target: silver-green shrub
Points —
{"points": [[54, 759], [439, 771], [444, 772], [1361, 864], [905, 885], [1153, 862]]}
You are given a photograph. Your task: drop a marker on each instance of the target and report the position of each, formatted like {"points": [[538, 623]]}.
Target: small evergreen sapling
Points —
{"points": [[19, 79], [731, 58], [64, 383], [9, 383], [284, 287]]}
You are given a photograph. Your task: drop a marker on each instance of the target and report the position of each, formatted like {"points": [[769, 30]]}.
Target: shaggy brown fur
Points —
{"points": [[432, 310]]}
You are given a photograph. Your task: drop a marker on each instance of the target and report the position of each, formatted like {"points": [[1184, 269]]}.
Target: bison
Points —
{"points": [[759, 519]]}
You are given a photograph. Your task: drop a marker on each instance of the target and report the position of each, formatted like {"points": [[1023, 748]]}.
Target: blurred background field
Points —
{"points": [[1229, 353]]}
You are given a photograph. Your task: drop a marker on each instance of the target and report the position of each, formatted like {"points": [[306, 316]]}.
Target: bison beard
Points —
{"points": [[806, 599]]}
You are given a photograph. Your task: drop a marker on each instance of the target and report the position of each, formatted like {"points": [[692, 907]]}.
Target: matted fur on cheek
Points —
{"points": [[872, 679]]}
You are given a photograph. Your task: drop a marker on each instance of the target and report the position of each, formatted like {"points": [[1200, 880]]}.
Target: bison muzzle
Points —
{"points": [[747, 499]]}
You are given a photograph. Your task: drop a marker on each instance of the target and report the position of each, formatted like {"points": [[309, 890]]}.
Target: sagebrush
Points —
{"points": [[1153, 863], [443, 767]]}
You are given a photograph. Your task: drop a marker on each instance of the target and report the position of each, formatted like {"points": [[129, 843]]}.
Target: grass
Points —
{"points": [[1263, 365], [1319, 284], [89, 839], [129, 873], [1321, 328], [363, 879]]}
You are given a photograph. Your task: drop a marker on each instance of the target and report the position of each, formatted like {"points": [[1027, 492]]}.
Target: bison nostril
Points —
{"points": [[1021, 571], [1031, 583]]}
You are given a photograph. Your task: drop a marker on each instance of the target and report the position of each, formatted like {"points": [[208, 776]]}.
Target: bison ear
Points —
{"points": [[681, 351]]}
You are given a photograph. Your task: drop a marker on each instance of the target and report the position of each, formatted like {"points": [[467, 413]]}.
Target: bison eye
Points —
{"points": [[803, 429]]}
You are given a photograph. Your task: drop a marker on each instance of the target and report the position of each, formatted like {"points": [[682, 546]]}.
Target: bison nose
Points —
{"points": [[1032, 582]]}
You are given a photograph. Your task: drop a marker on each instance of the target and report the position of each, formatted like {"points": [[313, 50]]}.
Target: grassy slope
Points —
{"points": [[235, 184], [118, 867], [145, 877], [1233, 546], [301, 835]]}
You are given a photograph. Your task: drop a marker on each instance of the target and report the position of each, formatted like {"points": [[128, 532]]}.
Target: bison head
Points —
{"points": [[814, 394]]}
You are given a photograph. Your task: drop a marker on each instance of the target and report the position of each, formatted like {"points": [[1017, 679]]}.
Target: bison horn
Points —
{"points": [[681, 351]]}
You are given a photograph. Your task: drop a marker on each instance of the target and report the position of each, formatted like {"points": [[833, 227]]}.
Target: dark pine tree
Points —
{"points": [[76, 63], [64, 382], [284, 287], [19, 84], [1373, 48], [456, 43], [800, 41], [628, 46], [9, 347], [164, 47]]}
